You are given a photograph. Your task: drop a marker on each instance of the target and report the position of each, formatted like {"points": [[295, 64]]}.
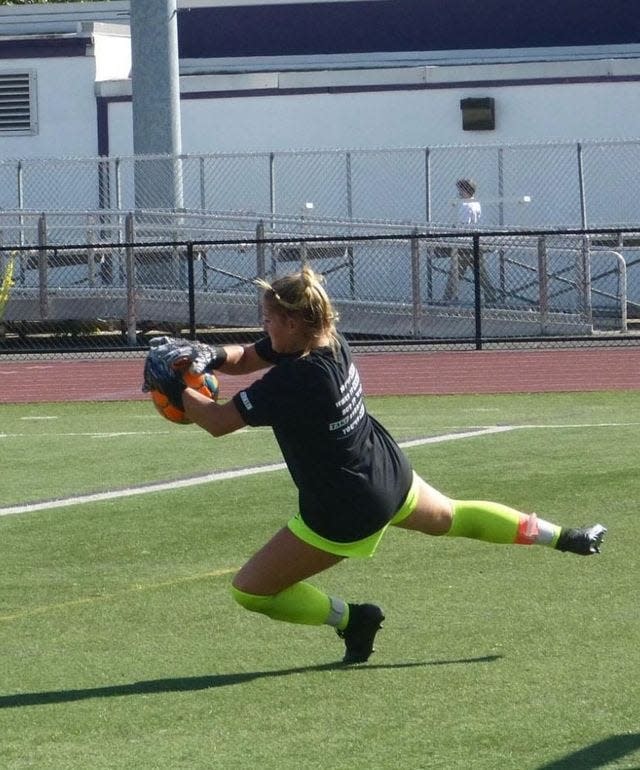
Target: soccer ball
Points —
{"points": [[207, 384]]}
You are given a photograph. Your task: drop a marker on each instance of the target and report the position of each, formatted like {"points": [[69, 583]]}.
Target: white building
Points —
{"points": [[254, 76], [393, 100]]}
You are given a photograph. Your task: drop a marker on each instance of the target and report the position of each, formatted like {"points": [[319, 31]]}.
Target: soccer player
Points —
{"points": [[353, 479]]}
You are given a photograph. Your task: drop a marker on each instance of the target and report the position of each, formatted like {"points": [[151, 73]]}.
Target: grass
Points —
{"points": [[121, 647]]}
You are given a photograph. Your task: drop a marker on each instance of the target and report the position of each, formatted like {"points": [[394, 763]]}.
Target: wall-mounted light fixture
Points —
{"points": [[478, 114]]}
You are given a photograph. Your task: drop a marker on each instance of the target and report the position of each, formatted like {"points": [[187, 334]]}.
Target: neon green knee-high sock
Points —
{"points": [[497, 523], [300, 603]]}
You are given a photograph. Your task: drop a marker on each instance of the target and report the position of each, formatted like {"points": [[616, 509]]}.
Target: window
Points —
{"points": [[18, 103]]}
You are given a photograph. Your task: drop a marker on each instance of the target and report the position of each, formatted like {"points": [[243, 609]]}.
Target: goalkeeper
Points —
{"points": [[353, 479]]}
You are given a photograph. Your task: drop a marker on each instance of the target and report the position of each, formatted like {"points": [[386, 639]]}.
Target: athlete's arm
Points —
{"points": [[242, 359], [216, 419], [220, 419]]}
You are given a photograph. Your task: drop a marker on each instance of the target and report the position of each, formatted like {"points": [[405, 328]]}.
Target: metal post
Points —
{"points": [[584, 269], [261, 262], [427, 184], [583, 202], [21, 239], [623, 291], [20, 185], [203, 189], [272, 207], [427, 213], [500, 186], [501, 266], [349, 249], [477, 291], [416, 299], [349, 185], [272, 183], [155, 104], [130, 273], [543, 281], [191, 291], [118, 175], [91, 255], [261, 266], [43, 265]]}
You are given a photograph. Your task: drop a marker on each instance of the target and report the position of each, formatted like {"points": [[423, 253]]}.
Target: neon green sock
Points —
{"points": [[300, 603], [497, 523]]}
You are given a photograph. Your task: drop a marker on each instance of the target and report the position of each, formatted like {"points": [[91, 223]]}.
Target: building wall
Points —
{"points": [[85, 110], [565, 87], [246, 118], [66, 109], [66, 71]]}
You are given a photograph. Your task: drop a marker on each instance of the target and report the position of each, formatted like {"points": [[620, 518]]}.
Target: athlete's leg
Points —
{"points": [[271, 583], [436, 514]]}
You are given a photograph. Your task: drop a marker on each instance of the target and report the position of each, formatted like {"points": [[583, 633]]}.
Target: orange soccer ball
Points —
{"points": [[207, 384]]}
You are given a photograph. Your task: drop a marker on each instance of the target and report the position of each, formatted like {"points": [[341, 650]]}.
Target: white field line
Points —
{"points": [[113, 434], [240, 472], [117, 434]]}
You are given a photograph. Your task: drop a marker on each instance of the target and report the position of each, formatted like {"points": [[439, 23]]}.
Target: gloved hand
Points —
{"points": [[181, 354]]}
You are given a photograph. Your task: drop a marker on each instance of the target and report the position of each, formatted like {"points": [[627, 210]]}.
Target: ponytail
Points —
{"points": [[303, 294]]}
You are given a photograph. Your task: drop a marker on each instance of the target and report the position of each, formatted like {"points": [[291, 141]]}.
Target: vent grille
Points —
{"points": [[16, 103]]}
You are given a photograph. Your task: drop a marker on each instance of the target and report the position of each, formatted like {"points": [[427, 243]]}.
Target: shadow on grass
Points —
{"points": [[600, 754], [191, 683]]}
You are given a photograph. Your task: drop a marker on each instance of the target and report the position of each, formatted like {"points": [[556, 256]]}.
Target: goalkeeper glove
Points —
{"points": [[180, 354], [163, 378]]}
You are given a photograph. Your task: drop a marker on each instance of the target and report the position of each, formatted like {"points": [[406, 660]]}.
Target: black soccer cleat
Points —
{"points": [[365, 620], [585, 541]]}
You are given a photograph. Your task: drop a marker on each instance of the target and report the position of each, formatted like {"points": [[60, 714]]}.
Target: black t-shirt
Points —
{"points": [[350, 473]]}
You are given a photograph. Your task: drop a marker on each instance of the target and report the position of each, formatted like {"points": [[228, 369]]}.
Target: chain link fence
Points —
{"points": [[86, 265], [103, 282], [527, 186]]}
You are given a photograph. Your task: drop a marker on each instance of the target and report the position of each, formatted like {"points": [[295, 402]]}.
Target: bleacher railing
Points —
{"points": [[131, 276]]}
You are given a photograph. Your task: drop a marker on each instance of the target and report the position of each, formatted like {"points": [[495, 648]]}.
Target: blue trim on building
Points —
{"points": [[34, 48], [102, 121], [376, 26], [375, 88]]}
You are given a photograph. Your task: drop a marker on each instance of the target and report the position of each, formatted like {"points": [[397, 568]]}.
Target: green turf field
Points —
{"points": [[122, 649]]}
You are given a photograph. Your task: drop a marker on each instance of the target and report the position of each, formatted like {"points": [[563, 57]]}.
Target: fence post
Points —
{"points": [[543, 281], [349, 185], [477, 291], [118, 174], [19, 186], [584, 270], [623, 292], [427, 184], [349, 249], [416, 302], [261, 266], [191, 291], [261, 263], [583, 201], [130, 274], [91, 255], [272, 183], [43, 265], [20, 183], [272, 207], [203, 189]]}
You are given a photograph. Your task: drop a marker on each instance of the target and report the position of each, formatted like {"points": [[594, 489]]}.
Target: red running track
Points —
{"points": [[447, 372]]}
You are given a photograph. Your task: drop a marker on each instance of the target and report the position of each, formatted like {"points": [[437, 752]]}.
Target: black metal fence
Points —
{"points": [[404, 289]]}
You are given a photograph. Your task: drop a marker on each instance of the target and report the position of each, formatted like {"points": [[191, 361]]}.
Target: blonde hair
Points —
{"points": [[303, 294]]}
